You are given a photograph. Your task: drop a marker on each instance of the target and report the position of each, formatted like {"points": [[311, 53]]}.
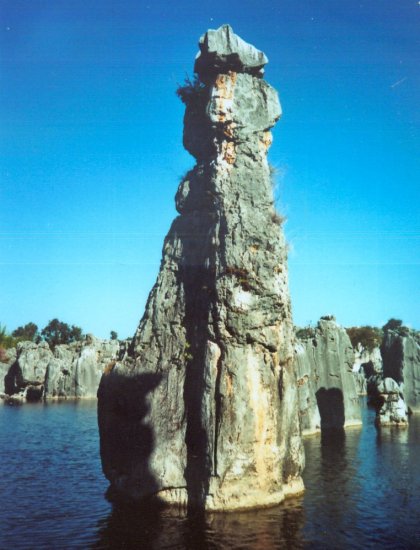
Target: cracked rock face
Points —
{"points": [[202, 409], [328, 396], [401, 358], [222, 50], [70, 371], [391, 409]]}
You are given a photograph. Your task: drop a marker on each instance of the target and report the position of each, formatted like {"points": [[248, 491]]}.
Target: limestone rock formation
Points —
{"points": [[7, 358], [77, 368], [202, 409], [401, 359], [70, 371], [25, 378], [391, 409], [370, 361], [367, 363], [328, 396], [222, 50]]}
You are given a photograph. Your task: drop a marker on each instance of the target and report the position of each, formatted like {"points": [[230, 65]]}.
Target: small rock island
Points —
{"points": [[202, 410]]}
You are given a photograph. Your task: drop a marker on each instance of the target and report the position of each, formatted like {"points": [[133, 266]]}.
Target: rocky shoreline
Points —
{"points": [[34, 372], [328, 396], [331, 374]]}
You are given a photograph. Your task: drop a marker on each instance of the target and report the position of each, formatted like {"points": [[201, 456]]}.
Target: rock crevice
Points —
{"points": [[217, 330]]}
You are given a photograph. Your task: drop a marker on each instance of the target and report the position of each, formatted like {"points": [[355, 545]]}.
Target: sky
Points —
{"points": [[91, 152]]}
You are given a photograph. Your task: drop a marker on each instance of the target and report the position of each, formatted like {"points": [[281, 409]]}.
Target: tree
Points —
{"points": [[57, 332], [392, 324], [368, 337], [6, 340], [113, 335], [191, 90], [27, 332]]}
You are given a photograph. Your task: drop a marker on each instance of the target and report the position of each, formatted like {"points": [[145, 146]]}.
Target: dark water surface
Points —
{"points": [[362, 491]]}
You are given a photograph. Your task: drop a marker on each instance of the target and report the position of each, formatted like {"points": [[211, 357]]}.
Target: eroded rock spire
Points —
{"points": [[202, 411]]}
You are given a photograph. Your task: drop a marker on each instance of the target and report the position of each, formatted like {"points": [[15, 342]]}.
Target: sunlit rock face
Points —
{"points": [[401, 359], [367, 363], [7, 358], [202, 409], [328, 396], [70, 371], [391, 409]]}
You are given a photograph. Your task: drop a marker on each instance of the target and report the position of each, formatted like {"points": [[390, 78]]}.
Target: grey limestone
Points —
{"points": [[69, 371], [328, 396], [201, 410], [401, 359], [222, 50], [391, 408]]}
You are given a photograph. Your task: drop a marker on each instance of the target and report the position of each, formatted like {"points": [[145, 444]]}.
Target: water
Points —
{"points": [[362, 491]]}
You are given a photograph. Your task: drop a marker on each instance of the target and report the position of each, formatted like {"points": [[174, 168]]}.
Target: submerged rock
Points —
{"points": [[401, 359], [328, 396], [202, 409]]}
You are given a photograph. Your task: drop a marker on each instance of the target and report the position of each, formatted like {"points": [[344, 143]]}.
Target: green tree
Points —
{"points": [[392, 324], [57, 332], [27, 332], [6, 340], [191, 91], [113, 335], [368, 337]]}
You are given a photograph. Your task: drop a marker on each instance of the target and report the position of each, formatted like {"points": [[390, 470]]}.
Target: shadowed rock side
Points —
{"points": [[217, 328], [328, 396], [401, 360]]}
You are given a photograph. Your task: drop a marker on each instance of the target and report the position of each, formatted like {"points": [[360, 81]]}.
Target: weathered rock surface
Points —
{"points": [[390, 406], [25, 378], [76, 369], [327, 390], [7, 358], [202, 410], [222, 50], [368, 360], [401, 361], [71, 371], [367, 363]]}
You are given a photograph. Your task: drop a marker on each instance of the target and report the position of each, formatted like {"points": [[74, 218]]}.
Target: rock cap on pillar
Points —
{"points": [[222, 50]]}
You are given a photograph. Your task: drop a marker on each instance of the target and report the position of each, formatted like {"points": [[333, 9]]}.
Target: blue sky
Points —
{"points": [[91, 152]]}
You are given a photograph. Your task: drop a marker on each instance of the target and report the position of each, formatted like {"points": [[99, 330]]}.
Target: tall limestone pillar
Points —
{"points": [[202, 410]]}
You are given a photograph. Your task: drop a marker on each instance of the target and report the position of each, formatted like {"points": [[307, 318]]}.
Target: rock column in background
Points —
{"points": [[367, 363], [328, 396], [391, 409], [202, 411], [69, 371], [401, 360]]}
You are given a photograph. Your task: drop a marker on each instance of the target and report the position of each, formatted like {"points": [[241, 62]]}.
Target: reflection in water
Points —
{"points": [[333, 473], [363, 487], [331, 408], [393, 435], [362, 491], [278, 527]]}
